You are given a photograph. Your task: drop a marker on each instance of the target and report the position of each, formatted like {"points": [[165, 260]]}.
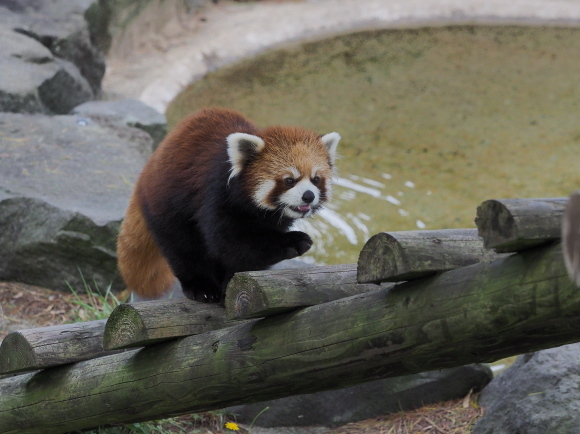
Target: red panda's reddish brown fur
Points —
{"points": [[213, 180], [142, 266]]}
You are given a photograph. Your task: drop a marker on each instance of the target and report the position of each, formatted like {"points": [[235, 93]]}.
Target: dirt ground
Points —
{"points": [[25, 306]]}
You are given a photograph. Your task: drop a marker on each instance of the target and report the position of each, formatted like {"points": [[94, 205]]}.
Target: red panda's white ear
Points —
{"points": [[241, 147], [331, 142]]}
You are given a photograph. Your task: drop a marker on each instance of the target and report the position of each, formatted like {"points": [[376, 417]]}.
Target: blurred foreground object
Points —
{"points": [[571, 237]]}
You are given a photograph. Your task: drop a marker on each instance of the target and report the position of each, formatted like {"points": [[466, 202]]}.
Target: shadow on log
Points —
{"points": [[479, 313]]}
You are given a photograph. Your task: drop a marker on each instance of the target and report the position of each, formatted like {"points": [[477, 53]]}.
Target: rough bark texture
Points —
{"points": [[32, 349], [264, 293], [140, 324], [409, 255], [478, 313], [513, 225]]}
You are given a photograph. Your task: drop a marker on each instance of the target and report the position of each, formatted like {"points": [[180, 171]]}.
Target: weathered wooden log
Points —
{"points": [[263, 293], [571, 237], [144, 323], [38, 348], [479, 313], [409, 255], [513, 225]]}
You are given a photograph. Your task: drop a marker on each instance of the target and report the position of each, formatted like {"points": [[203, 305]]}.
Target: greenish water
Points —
{"points": [[434, 121]]}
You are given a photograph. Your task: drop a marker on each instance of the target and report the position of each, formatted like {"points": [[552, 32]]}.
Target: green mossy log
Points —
{"points": [[144, 323], [479, 313], [264, 293], [409, 255], [38, 348]]}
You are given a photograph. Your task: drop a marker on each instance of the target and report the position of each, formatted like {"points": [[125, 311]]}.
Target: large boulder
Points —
{"points": [[33, 80], [129, 112], [48, 63], [64, 187], [538, 394], [59, 25], [364, 401]]}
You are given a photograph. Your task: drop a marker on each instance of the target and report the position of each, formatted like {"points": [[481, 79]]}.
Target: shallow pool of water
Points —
{"points": [[434, 121]]}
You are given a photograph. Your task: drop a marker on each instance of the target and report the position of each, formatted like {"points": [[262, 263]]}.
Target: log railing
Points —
{"points": [[322, 328]]}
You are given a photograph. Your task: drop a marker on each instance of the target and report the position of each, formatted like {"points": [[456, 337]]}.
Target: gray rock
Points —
{"points": [[66, 89], [33, 80], [119, 19], [65, 182], [61, 27], [364, 401], [129, 112], [538, 394]]}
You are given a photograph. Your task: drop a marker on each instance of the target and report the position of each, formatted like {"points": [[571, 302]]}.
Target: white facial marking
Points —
{"points": [[294, 171], [262, 192], [293, 199]]}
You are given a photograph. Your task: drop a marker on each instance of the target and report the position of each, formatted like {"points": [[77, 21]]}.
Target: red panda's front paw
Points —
{"points": [[298, 243]]}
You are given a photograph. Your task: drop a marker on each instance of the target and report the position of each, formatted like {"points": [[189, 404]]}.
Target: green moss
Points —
{"points": [[466, 113]]}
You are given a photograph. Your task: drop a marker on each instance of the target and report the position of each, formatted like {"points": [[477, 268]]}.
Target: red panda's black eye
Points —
{"points": [[316, 180], [289, 181]]}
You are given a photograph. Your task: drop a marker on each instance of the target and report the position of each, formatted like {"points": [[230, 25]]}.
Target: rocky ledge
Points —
{"points": [[67, 162]]}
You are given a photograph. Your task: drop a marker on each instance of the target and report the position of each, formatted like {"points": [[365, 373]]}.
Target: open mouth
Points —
{"points": [[301, 209]]}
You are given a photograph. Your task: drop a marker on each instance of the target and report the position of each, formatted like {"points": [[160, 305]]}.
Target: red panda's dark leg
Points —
{"points": [[201, 279]]}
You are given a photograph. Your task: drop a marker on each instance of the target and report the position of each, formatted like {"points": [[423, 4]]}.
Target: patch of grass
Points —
{"points": [[98, 304]]}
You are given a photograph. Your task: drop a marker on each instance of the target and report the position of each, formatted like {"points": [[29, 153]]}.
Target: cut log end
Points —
{"points": [[16, 354], [124, 327], [380, 252], [246, 301], [495, 224]]}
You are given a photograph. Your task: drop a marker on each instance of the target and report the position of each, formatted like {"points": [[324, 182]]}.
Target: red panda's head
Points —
{"points": [[284, 168]]}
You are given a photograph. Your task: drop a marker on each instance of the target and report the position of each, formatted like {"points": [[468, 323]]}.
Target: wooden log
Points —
{"points": [[263, 293], [513, 225], [479, 313], [402, 256], [571, 237], [144, 323], [39, 348]]}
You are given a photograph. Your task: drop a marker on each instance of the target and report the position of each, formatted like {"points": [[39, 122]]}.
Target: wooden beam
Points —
{"points": [[402, 256], [571, 237], [144, 323], [513, 225], [263, 293], [39, 348], [479, 313]]}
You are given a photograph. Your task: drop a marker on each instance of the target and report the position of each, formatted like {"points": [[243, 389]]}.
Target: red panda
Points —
{"points": [[218, 196]]}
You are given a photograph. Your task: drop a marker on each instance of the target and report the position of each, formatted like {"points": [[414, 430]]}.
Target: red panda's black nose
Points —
{"points": [[308, 196]]}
